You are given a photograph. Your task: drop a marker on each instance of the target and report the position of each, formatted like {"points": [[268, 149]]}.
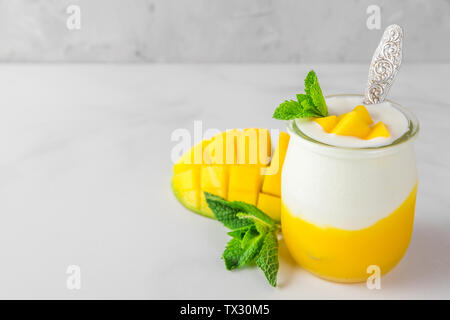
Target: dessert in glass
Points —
{"points": [[348, 197]]}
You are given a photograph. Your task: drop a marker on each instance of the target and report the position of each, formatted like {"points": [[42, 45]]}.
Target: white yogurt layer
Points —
{"points": [[395, 121]]}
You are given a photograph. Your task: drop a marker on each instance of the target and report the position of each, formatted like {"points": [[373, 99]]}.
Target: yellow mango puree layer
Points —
{"points": [[344, 255]]}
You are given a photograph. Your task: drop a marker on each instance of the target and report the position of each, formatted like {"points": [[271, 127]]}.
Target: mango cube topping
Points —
{"points": [[327, 123], [363, 114], [356, 123], [352, 125], [378, 130]]}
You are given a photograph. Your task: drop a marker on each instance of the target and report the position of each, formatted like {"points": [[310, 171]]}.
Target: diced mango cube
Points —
{"points": [[187, 180], [191, 198], [254, 147], [378, 130], [214, 177], [194, 157], [223, 148], [327, 123], [352, 125], [363, 113], [245, 196], [270, 205], [272, 176], [245, 178]]}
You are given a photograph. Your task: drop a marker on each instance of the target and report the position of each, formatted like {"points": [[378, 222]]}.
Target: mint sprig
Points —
{"points": [[254, 236], [310, 104]]}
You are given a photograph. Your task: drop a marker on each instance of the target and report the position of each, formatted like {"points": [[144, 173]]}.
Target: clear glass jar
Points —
{"points": [[346, 209]]}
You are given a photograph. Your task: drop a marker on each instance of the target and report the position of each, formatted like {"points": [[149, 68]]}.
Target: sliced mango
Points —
{"points": [[272, 176], [187, 180], [363, 114], [245, 178], [269, 204], [237, 195], [327, 123], [222, 149], [254, 147], [378, 130], [352, 125], [186, 186], [231, 166], [192, 158], [356, 123]]}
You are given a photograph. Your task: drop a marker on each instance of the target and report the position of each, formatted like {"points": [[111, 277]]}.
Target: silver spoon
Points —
{"points": [[385, 65]]}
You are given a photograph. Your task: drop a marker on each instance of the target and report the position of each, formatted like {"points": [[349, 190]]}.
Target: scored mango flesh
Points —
{"points": [[235, 165], [356, 123]]}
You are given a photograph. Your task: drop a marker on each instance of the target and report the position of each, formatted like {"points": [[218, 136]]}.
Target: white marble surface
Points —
{"points": [[85, 179], [219, 31]]}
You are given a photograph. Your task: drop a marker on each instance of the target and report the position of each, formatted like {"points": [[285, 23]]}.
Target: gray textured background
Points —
{"points": [[218, 30]]}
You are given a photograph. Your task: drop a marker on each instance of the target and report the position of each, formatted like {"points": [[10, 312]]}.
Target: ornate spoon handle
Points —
{"points": [[385, 64]]}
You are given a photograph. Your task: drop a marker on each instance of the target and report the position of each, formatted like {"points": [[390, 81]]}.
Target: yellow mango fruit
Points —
{"points": [[245, 196], [223, 148], [356, 123], [215, 178], [327, 123], [378, 130], [271, 205], [254, 147], [245, 178], [352, 125], [363, 114], [186, 187], [220, 171], [272, 176], [193, 157]]}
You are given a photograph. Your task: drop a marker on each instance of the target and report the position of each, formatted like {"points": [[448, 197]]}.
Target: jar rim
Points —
{"points": [[413, 129]]}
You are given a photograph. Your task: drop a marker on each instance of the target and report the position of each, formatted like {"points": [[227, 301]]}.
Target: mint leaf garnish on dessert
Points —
{"points": [[310, 104], [254, 236]]}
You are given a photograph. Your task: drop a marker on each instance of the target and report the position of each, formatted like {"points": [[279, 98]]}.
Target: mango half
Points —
{"points": [[235, 165]]}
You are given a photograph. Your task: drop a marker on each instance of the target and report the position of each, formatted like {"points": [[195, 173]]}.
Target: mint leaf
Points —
{"points": [[232, 254], [225, 213], [249, 211], [249, 235], [240, 233], [251, 249], [310, 104], [288, 110], [267, 259], [309, 110], [238, 253], [253, 233], [313, 90]]}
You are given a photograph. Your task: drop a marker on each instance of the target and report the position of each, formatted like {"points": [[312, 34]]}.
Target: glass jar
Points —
{"points": [[345, 210]]}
